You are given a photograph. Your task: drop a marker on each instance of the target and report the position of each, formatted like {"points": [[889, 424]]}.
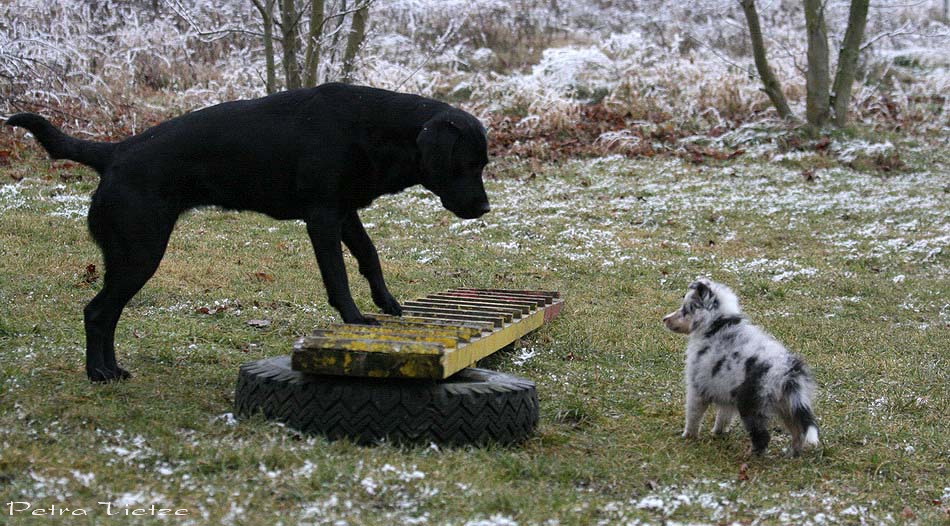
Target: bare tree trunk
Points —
{"points": [[771, 85], [848, 60], [337, 30], [354, 40], [817, 80], [312, 56], [288, 22], [267, 15]]}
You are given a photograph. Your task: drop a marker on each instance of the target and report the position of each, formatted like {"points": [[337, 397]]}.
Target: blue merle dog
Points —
{"points": [[741, 369]]}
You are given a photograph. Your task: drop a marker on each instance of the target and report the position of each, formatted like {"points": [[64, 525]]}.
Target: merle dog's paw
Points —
{"points": [[104, 375], [389, 305]]}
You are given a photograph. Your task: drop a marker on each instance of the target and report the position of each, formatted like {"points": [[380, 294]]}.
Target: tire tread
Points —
{"points": [[477, 406]]}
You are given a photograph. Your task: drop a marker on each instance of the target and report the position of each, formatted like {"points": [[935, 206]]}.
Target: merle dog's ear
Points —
{"points": [[703, 292], [436, 143]]}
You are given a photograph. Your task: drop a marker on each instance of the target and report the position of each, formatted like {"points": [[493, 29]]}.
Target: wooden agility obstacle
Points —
{"points": [[436, 336]]}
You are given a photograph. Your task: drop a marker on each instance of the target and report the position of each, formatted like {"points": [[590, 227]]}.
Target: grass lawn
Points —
{"points": [[848, 268]]}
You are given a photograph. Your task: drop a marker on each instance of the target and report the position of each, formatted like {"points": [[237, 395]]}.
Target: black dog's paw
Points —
{"points": [[359, 319], [366, 321], [389, 305], [103, 375]]}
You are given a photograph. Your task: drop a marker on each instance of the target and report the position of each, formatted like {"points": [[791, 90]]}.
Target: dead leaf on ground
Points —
{"points": [[212, 310], [263, 276], [90, 274], [744, 472]]}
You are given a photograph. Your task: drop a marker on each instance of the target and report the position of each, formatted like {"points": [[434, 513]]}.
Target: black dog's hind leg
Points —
{"points": [[362, 248], [324, 227], [133, 240]]}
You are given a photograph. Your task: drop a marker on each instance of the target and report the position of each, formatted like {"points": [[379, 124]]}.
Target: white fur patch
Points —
{"points": [[811, 436], [728, 301]]}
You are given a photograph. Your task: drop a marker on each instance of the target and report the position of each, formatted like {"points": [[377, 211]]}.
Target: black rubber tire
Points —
{"points": [[474, 406]]}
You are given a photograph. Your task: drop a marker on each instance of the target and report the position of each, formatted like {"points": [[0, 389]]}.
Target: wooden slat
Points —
{"points": [[371, 345], [532, 293], [523, 307], [475, 327], [467, 307], [531, 302], [447, 331], [538, 300], [453, 314], [359, 332]]}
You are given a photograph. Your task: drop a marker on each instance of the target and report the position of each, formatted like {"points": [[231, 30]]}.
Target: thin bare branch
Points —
{"points": [[904, 30], [210, 35], [442, 43], [713, 50]]}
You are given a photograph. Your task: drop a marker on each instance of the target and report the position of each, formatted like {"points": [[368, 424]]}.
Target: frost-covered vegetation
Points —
{"points": [[115, 66]]}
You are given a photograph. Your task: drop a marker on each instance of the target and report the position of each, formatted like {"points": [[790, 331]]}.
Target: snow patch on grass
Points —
{"points": [[11, 196], [713, 498], [493, 520], [70, 206]]}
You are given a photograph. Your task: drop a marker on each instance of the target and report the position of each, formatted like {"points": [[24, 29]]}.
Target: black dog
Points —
{"points": [[317, 155]]}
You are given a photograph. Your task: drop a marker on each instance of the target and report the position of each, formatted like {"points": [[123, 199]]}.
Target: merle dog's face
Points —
{"points": [[454, 152], [698, 301]]}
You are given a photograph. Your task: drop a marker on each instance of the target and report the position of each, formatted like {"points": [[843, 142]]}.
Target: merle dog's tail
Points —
{"points": [[797, 391], [61, 146]]}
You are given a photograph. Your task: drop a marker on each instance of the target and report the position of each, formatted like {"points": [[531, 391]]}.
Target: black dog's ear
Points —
{"points": [[436, 144]]}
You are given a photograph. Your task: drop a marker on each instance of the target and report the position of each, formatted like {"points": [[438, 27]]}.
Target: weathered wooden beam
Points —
{"points": [[439, 335]]}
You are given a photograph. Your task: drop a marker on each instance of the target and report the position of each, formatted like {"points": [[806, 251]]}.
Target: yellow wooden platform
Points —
{"points": [[437, 336]]}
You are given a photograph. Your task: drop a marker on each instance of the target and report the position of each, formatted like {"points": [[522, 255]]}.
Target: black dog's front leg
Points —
{"points": [[325, 230], [362, 248]]}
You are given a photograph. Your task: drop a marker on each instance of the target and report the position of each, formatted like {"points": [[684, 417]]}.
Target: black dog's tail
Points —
{"points": [[797, 391], [61, 146]]}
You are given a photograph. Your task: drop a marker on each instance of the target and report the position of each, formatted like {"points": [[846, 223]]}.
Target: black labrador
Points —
{"points": [[316, 155]]}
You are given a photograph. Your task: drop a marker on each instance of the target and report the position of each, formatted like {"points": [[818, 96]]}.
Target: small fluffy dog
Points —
{"points": [[741, 369]]}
